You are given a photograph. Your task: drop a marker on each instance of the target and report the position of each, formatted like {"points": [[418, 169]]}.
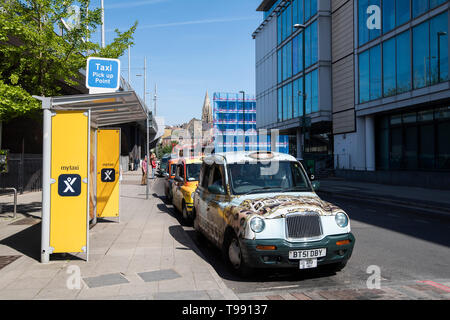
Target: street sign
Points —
{"points": [[102, 75]]}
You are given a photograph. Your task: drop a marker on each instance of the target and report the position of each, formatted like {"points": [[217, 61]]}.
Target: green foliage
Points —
{"points": [[165, 150], [37, 59]]}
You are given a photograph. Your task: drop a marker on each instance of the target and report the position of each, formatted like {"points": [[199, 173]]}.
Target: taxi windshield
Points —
{"points": [[193, 171], [282, 176]]}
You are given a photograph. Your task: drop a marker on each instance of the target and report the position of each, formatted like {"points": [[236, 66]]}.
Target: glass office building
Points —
{"points": [[293, 76], [234, 116], [406, 60], [375, 77]]}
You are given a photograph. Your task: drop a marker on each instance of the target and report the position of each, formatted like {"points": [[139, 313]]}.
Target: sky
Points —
{"points": [[191, 46]]}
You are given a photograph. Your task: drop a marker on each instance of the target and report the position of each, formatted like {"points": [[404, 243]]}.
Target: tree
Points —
{"points": [[37, 57]]}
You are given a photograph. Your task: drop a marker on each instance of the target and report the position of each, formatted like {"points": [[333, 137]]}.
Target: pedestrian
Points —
{"points": [[153, 164], [136, 164], [144, 171]]}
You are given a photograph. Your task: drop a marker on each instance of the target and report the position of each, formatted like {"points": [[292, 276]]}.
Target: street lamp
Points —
{"points": [[243, 110], [440, 34], [303, 94]]}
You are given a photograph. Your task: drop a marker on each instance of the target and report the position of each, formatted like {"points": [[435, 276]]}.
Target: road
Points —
{"points": [[408, 248]]}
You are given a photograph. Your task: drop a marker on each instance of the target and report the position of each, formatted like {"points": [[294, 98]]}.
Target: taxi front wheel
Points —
{"points": [[234, 257]]}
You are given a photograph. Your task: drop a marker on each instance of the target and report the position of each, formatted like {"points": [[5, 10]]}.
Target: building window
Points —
{"points": [[366, 34], [370, 75], [416, 140], [280, 105], [430, 65], [403, 68], [389, 81], [396, 65]]}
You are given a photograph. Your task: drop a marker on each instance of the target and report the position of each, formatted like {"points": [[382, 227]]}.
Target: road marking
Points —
{"points": [[421, 221], [393, 215], [436, 285]]}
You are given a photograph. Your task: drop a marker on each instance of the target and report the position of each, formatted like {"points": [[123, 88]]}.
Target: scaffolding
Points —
{"points": [[234, 117]]}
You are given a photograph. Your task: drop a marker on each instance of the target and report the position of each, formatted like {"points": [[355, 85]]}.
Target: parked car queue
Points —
{"points": [[261, 210]]}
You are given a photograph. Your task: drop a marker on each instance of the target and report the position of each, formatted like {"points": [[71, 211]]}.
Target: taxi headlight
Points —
{"points": [[257, 224], [341, 220]]}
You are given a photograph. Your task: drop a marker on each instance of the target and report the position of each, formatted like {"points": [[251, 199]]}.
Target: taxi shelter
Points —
{"points": [[80, 174]]}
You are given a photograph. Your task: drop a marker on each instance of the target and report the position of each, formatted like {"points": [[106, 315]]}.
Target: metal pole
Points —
{"points": [[243, 109], [46, 181], [103, 23], [440, 33], [129, 65], [304, 93], [148, 131], [155, 98]]}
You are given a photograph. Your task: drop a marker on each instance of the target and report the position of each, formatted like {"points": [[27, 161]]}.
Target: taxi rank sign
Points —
{"points": [[103, 74]]}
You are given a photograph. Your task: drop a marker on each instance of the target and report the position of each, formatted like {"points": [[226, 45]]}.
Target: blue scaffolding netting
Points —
{"points": [[234, 114]]}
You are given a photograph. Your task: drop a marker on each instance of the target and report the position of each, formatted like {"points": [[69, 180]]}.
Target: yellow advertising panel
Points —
{"points": [[92, 180], [69, 188], [108, 166]]}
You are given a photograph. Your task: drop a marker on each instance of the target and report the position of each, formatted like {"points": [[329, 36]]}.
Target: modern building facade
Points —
{"points": [[382, 85], [293, 75], [234, 117]]}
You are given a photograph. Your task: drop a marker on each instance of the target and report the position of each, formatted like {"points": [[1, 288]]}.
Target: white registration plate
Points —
{"points": [[307, 254], [308, 264]]}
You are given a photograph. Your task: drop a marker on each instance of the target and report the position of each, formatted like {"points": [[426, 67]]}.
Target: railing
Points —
{"points": [[15, 199], [25, 173]]}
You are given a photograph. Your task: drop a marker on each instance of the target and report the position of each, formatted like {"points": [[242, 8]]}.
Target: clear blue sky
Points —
{"points": [[191, 46]]}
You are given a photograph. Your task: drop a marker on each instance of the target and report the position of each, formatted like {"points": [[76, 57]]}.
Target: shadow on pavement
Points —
{"points": [[25, 209], [27, 242]]}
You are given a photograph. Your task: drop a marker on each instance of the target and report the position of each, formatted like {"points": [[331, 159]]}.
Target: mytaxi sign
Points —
{"points": [[108, 165], [103, 75]]}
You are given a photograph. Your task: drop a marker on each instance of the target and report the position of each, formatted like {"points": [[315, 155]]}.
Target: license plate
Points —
{"points": [[307, 254], [308, 264]]}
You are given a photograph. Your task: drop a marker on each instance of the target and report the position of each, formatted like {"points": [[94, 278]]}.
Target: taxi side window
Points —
{"points": [[173, 168], [180, 171], [205, 176], [217, 178]]}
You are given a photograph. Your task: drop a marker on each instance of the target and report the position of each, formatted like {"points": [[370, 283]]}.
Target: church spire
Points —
{"points": [[207, 116]]}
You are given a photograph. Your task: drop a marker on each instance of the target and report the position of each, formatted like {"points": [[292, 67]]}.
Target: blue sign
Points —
{"points": [[69, 185], [103, 73]]}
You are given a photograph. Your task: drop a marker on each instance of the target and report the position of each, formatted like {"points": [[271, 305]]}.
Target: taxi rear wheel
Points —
{"points": [[186, 215]]}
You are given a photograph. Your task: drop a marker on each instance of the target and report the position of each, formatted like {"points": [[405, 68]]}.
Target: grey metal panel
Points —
{"points": [[335, 4], [343, 85], [344, 122], [342, 31]]}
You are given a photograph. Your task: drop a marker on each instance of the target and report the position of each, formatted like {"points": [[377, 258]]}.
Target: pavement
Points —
{"points": [[146, 256], [432, 201]]}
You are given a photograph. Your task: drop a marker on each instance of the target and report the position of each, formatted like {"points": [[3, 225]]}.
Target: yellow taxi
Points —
{"points": [[187, 175]]}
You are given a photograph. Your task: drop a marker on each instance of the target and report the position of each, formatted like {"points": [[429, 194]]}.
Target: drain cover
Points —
{"points": [[159, 275], [25, 222], [105, 280], [5, 260]]}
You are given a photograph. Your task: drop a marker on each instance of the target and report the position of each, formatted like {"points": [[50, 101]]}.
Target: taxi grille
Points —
{"points": [[305, 225]]}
